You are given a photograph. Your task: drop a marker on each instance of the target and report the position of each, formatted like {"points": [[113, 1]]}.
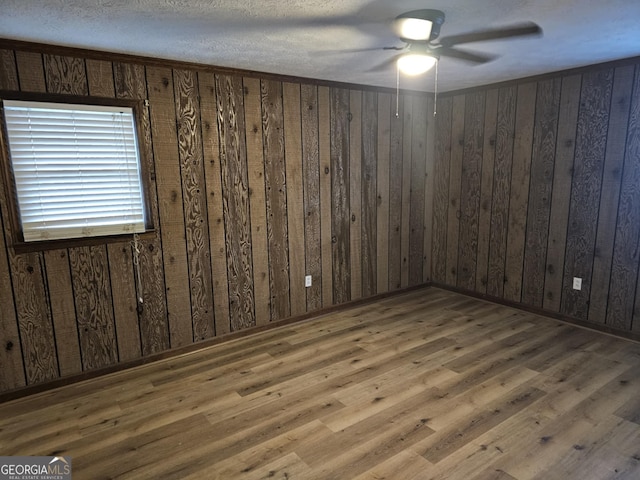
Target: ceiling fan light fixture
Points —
{"points": [[416, 29], [416, 63], [419, 25]]}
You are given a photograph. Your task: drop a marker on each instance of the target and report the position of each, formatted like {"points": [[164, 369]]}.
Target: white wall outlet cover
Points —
{"points": [[307, 281], [577, 283]]}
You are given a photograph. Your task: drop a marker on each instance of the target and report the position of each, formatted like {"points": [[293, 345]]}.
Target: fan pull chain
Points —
{"points": [[135, 244], [435, 91], [397, 90]]}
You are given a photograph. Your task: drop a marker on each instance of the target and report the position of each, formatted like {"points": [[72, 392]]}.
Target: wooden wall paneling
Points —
{"points": [[635, 322], [100, 78], [340, 210], [501, 190], [311, 191], [626, 252], [455, 173], [324, 149], [8, 70], [171, 211], [119, 255], [518, 201], [395, 194], [382, 185], [470, 189], [405, 227], [95, 323], [561, 190], [12, 374], [27, 270], [12, 371], [591, 140], [611, 179], [428, 189], [442, 154], [67, 75], [34, 317], [355, 191], [131, 83], [255, 170], [63, 311], [369, 192], [212, 172], [276, 195], [295, 202], [194, 202], [486, 188], [418, 172], [123, 293], [92, 287], [537, 229], [30, 71], [235, 191]]}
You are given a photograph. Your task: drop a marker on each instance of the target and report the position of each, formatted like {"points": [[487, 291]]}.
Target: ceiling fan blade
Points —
{"points": [[521, 30], [467, 56], [386, 64], [357, 50]]}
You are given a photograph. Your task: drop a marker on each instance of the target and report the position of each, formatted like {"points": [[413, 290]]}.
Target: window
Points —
{"points": [[76, 169]]}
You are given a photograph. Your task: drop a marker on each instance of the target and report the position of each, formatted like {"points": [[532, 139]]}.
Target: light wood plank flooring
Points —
{"points": [[425, 385]]}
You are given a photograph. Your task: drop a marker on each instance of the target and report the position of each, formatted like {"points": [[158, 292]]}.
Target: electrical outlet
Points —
{"points": [[577, 283], [307, 281]]}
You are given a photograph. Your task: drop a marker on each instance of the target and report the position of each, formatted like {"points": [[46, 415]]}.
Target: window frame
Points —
{"points": [[14, 234]]}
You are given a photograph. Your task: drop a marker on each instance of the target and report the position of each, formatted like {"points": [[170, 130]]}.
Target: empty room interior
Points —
{"points": [[339, 239]]}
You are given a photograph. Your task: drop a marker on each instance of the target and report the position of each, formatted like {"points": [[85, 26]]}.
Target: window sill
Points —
{"points": [[41, 246]]}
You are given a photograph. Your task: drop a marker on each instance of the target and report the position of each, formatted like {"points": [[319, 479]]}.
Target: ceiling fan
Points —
{"points": [[420, 31]]}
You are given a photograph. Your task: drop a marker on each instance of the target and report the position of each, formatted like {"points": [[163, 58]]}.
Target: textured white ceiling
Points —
{"points": [[305, 37]]}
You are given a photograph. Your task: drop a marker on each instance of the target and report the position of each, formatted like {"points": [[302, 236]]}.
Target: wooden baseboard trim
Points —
{"points": [[540, 311], [61, 382]]}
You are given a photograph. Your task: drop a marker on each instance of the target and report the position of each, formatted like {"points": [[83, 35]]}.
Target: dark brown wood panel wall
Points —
{"points": [[505, 128], [556, 180], [395, 194], [235, 194], [295, 203], [470, 189], [417, 191], [586, 187], [486, 188], [369, 192], [609, 200], [455, 173], [355, 192], [131, 83], [623, 312], [276, 197], [382, 198], [194, 200], [561, 190], [311, 195], [172, 224], [442, 152], [340, 210], [544, 146], [254, 183]]}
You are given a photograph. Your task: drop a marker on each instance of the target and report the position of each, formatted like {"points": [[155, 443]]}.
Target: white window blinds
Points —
{"points": [[76, 169]]}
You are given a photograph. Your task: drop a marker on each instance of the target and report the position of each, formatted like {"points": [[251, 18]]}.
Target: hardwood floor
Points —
{"points": [[426, 385]]}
